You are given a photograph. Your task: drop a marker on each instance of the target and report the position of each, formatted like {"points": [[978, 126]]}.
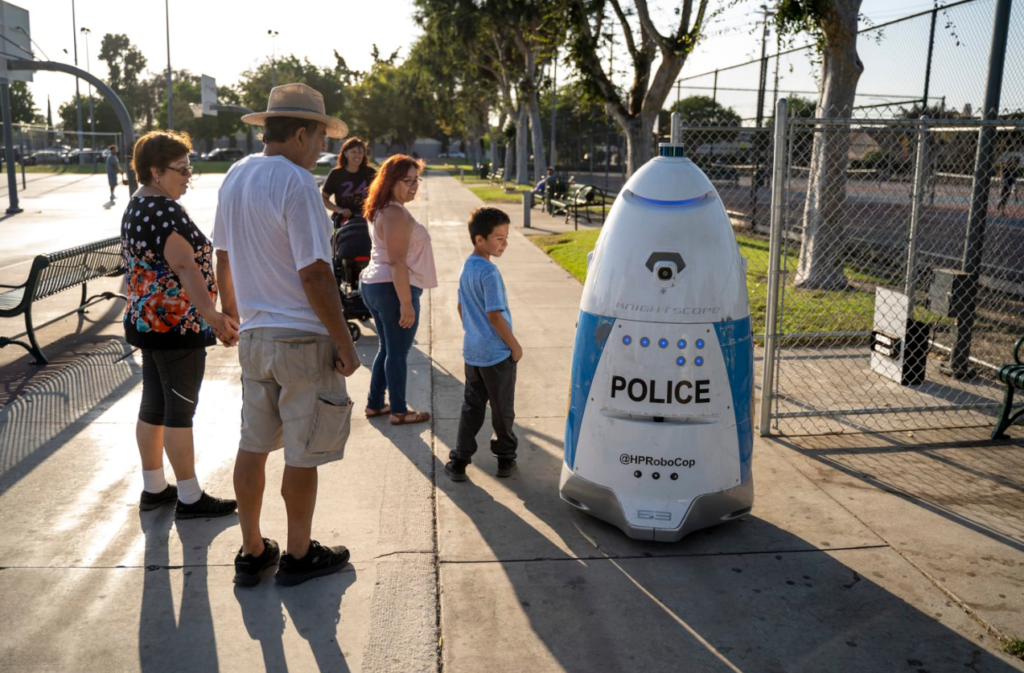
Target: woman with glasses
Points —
{"points": [[172, 318], [401, 268]]}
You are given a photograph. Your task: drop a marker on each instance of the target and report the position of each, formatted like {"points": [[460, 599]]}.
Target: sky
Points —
{"points": [[215, 37]]}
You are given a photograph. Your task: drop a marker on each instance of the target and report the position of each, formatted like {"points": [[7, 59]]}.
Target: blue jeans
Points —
{"points": [[390, 367]]}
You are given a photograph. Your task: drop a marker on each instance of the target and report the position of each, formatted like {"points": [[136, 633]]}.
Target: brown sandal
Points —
{"points": [[370, 413], [410, 417]]}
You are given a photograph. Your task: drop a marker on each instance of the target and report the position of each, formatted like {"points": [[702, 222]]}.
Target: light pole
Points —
{"points": [[78, 95], [88, 68], [170, 108], [273, 57]]}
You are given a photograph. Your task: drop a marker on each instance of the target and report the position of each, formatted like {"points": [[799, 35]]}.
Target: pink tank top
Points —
{"points": [[419, 259]]}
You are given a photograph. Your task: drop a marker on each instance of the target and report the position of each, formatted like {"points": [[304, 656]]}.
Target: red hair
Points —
{"points": [[391, 171]]}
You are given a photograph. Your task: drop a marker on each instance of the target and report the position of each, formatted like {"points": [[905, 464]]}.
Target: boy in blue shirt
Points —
{"points": [[489, 348]]}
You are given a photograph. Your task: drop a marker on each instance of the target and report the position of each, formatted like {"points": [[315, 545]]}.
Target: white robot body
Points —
{"points": [[658, 436]]}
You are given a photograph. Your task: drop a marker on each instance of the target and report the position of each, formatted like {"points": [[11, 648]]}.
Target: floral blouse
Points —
{"points": [[159, 314]]}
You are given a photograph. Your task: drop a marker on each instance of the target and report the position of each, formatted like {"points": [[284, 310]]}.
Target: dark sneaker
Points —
{"points": [[317, 562], [506, 466], [456, 470], [249, 567], [150, 501], [206, 507]]}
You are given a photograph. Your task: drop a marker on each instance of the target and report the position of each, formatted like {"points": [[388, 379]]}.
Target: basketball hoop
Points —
{"points": [[197, 109]]}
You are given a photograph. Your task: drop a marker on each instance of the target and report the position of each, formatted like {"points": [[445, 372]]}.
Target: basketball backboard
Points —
{"points": [[14, 40]]}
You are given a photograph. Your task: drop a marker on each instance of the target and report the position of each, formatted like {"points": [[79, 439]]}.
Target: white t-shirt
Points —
{"points": [[272, 222]]}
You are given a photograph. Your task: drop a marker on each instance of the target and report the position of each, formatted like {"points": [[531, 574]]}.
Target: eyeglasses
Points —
{"points": [[185, 171], [409, 182]]}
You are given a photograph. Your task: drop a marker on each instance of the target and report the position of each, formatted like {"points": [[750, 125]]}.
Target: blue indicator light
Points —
{"points": [[645, 342], [663, 343], [680, 361], [682, 343], [700, 343], [698, 361], [627, 339]]}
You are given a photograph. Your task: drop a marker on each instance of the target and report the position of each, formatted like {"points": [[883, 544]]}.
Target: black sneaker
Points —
{"points": [[207, 507], [456, 470], [317, 562], [249, 567], [150, 501], [506, 466]]}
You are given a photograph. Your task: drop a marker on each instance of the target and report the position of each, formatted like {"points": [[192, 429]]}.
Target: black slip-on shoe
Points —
{"points": [[248, 568], [317, 562], [207, 507], [456, 470], [150, 501], [506, 467]]}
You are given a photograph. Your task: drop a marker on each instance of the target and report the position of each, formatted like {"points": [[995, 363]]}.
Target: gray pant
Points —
{"points": [[495, 384]]}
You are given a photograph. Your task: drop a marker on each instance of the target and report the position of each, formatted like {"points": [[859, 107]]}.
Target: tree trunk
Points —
{"points": [[522, 146], [638, 142], [822, 239], [540, 164]]}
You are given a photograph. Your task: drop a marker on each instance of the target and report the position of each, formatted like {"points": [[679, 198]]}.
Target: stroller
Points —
{"points": [[351, 245]]}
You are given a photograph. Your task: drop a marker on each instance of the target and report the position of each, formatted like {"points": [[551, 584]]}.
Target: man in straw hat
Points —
{"points": [[274, 267]]}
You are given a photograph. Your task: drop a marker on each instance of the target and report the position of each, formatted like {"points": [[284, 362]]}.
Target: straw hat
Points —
{"points": [[301, 101]]}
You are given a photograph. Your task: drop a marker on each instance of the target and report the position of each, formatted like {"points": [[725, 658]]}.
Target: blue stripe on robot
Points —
{"points": [[734, 338], [591, 336]]}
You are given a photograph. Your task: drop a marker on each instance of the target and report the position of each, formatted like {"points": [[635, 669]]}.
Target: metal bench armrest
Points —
{"points": [[1016, 350]]}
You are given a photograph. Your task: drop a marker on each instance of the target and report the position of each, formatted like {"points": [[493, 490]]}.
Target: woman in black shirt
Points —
{"points": [[172, 318], [348, 182]]}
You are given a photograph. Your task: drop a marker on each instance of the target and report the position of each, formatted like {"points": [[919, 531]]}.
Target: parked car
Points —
{"points": [[196, 156], [44, 157], [327, 159], [225, 154], [455, 154], [83, 156]]}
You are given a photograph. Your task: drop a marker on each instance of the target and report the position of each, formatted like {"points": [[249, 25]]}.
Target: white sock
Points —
{"points": [[154, 481], [189, 490]]}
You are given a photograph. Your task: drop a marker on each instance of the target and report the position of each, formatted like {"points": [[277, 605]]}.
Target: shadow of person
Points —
{"points": [[186, 639], [315, 610]]}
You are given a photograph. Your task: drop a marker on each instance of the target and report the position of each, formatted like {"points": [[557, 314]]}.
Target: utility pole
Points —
{"points": [[170, 95], [78, 96], [762, 82], [273, 57], [984, 167], [92, 117], [554, 105]]}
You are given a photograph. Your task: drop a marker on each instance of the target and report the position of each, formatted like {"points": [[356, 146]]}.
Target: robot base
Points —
{"points": [[705, 511]]}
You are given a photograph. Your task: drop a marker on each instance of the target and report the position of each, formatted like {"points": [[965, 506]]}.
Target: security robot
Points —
{"points": [[658, 438]]}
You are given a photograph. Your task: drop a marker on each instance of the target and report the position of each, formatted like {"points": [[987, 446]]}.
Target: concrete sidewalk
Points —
{"points": [[860, 554]]}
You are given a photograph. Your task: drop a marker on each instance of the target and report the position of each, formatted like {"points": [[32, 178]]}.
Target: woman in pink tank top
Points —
{"points": [[401, 267]]}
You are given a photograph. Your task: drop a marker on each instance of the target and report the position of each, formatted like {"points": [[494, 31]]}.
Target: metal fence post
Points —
{"points": [[917, 199], [527, 205], [779, 167]]}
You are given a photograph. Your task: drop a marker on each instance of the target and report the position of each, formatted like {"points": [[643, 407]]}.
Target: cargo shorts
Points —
{"points": [[292, 397]]}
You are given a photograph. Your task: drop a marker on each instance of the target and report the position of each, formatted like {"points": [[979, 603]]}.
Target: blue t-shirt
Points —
{"points": [[481, 290]]}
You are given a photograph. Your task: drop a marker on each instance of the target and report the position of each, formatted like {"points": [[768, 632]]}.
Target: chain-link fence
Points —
{"points": [[39, 145], [900, 290]]}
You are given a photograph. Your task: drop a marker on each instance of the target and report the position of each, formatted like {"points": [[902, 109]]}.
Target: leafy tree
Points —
{"points": [[103, 111], [635, 108], [205, 129], [23, 106], [705, 111], [389, 104], [125, 65]]}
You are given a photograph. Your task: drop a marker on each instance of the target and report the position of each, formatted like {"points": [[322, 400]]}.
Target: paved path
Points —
{"points": [[830, 572]]}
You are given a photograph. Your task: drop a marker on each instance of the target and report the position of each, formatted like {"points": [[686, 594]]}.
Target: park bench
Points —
{"points": [[497, 176], [1013, 376], [53, 273], [581, 198]]}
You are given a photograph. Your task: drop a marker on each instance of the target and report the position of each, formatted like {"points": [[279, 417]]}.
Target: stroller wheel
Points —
{"points": [[353, 329]]}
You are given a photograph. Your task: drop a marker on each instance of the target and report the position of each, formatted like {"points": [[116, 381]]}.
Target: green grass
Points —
{"points": [[71, 169], [496, 193], [806, 310], [1014, 647]]}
